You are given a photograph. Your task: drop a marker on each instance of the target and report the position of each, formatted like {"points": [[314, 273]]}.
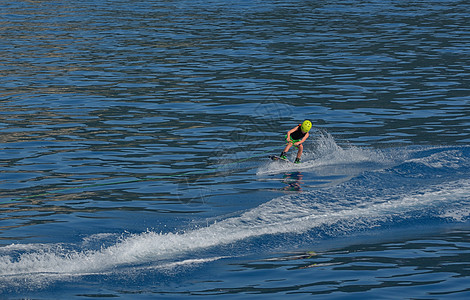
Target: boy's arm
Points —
{"points": [[302, 140], [291, 131]]}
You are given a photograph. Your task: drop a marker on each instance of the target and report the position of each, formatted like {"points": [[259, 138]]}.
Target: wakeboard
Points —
{"points": [[278, 158]]}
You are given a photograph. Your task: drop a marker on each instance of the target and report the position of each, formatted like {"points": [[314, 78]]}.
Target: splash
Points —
{"points": [[328, 157]]}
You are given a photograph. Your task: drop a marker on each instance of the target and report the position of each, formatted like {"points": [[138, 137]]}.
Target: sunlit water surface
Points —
{"points": [[134, 139]]}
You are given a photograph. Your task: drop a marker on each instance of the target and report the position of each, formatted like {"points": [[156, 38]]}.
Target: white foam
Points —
{"points": [[186, 263]]}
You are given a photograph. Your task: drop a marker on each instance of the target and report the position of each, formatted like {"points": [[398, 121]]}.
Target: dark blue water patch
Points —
{"points": [[317, 272]]}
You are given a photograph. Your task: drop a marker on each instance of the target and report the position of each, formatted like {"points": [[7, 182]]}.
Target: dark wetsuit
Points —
{"points": [[298, 134]]}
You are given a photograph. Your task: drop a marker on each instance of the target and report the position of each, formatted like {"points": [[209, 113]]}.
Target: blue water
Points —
{"points": [[134, 138]]}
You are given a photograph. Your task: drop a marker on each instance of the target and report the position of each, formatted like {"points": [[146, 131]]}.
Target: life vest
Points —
{"points": [[298, 134]]}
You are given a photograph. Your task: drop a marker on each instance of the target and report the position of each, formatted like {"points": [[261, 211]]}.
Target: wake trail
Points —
{"points": [[431, 184]]}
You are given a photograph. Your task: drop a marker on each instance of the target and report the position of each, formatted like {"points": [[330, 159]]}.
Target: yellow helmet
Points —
{"points": [[306, 125]]}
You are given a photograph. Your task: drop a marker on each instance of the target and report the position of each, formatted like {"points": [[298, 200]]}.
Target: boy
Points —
{"points": [[296, 136]]}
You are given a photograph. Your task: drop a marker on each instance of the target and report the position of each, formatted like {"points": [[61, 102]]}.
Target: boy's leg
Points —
{"points": [[287, 147], [283, 154], [299, 153]]}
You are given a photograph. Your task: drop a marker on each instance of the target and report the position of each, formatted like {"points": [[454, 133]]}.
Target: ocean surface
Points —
{"points": [[134, 143]]}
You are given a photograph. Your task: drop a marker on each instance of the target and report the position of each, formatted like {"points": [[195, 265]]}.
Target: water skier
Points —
{"points": [[295, 137]]}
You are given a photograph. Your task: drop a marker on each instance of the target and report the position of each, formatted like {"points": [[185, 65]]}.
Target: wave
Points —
{"points": [[428, 184]]}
